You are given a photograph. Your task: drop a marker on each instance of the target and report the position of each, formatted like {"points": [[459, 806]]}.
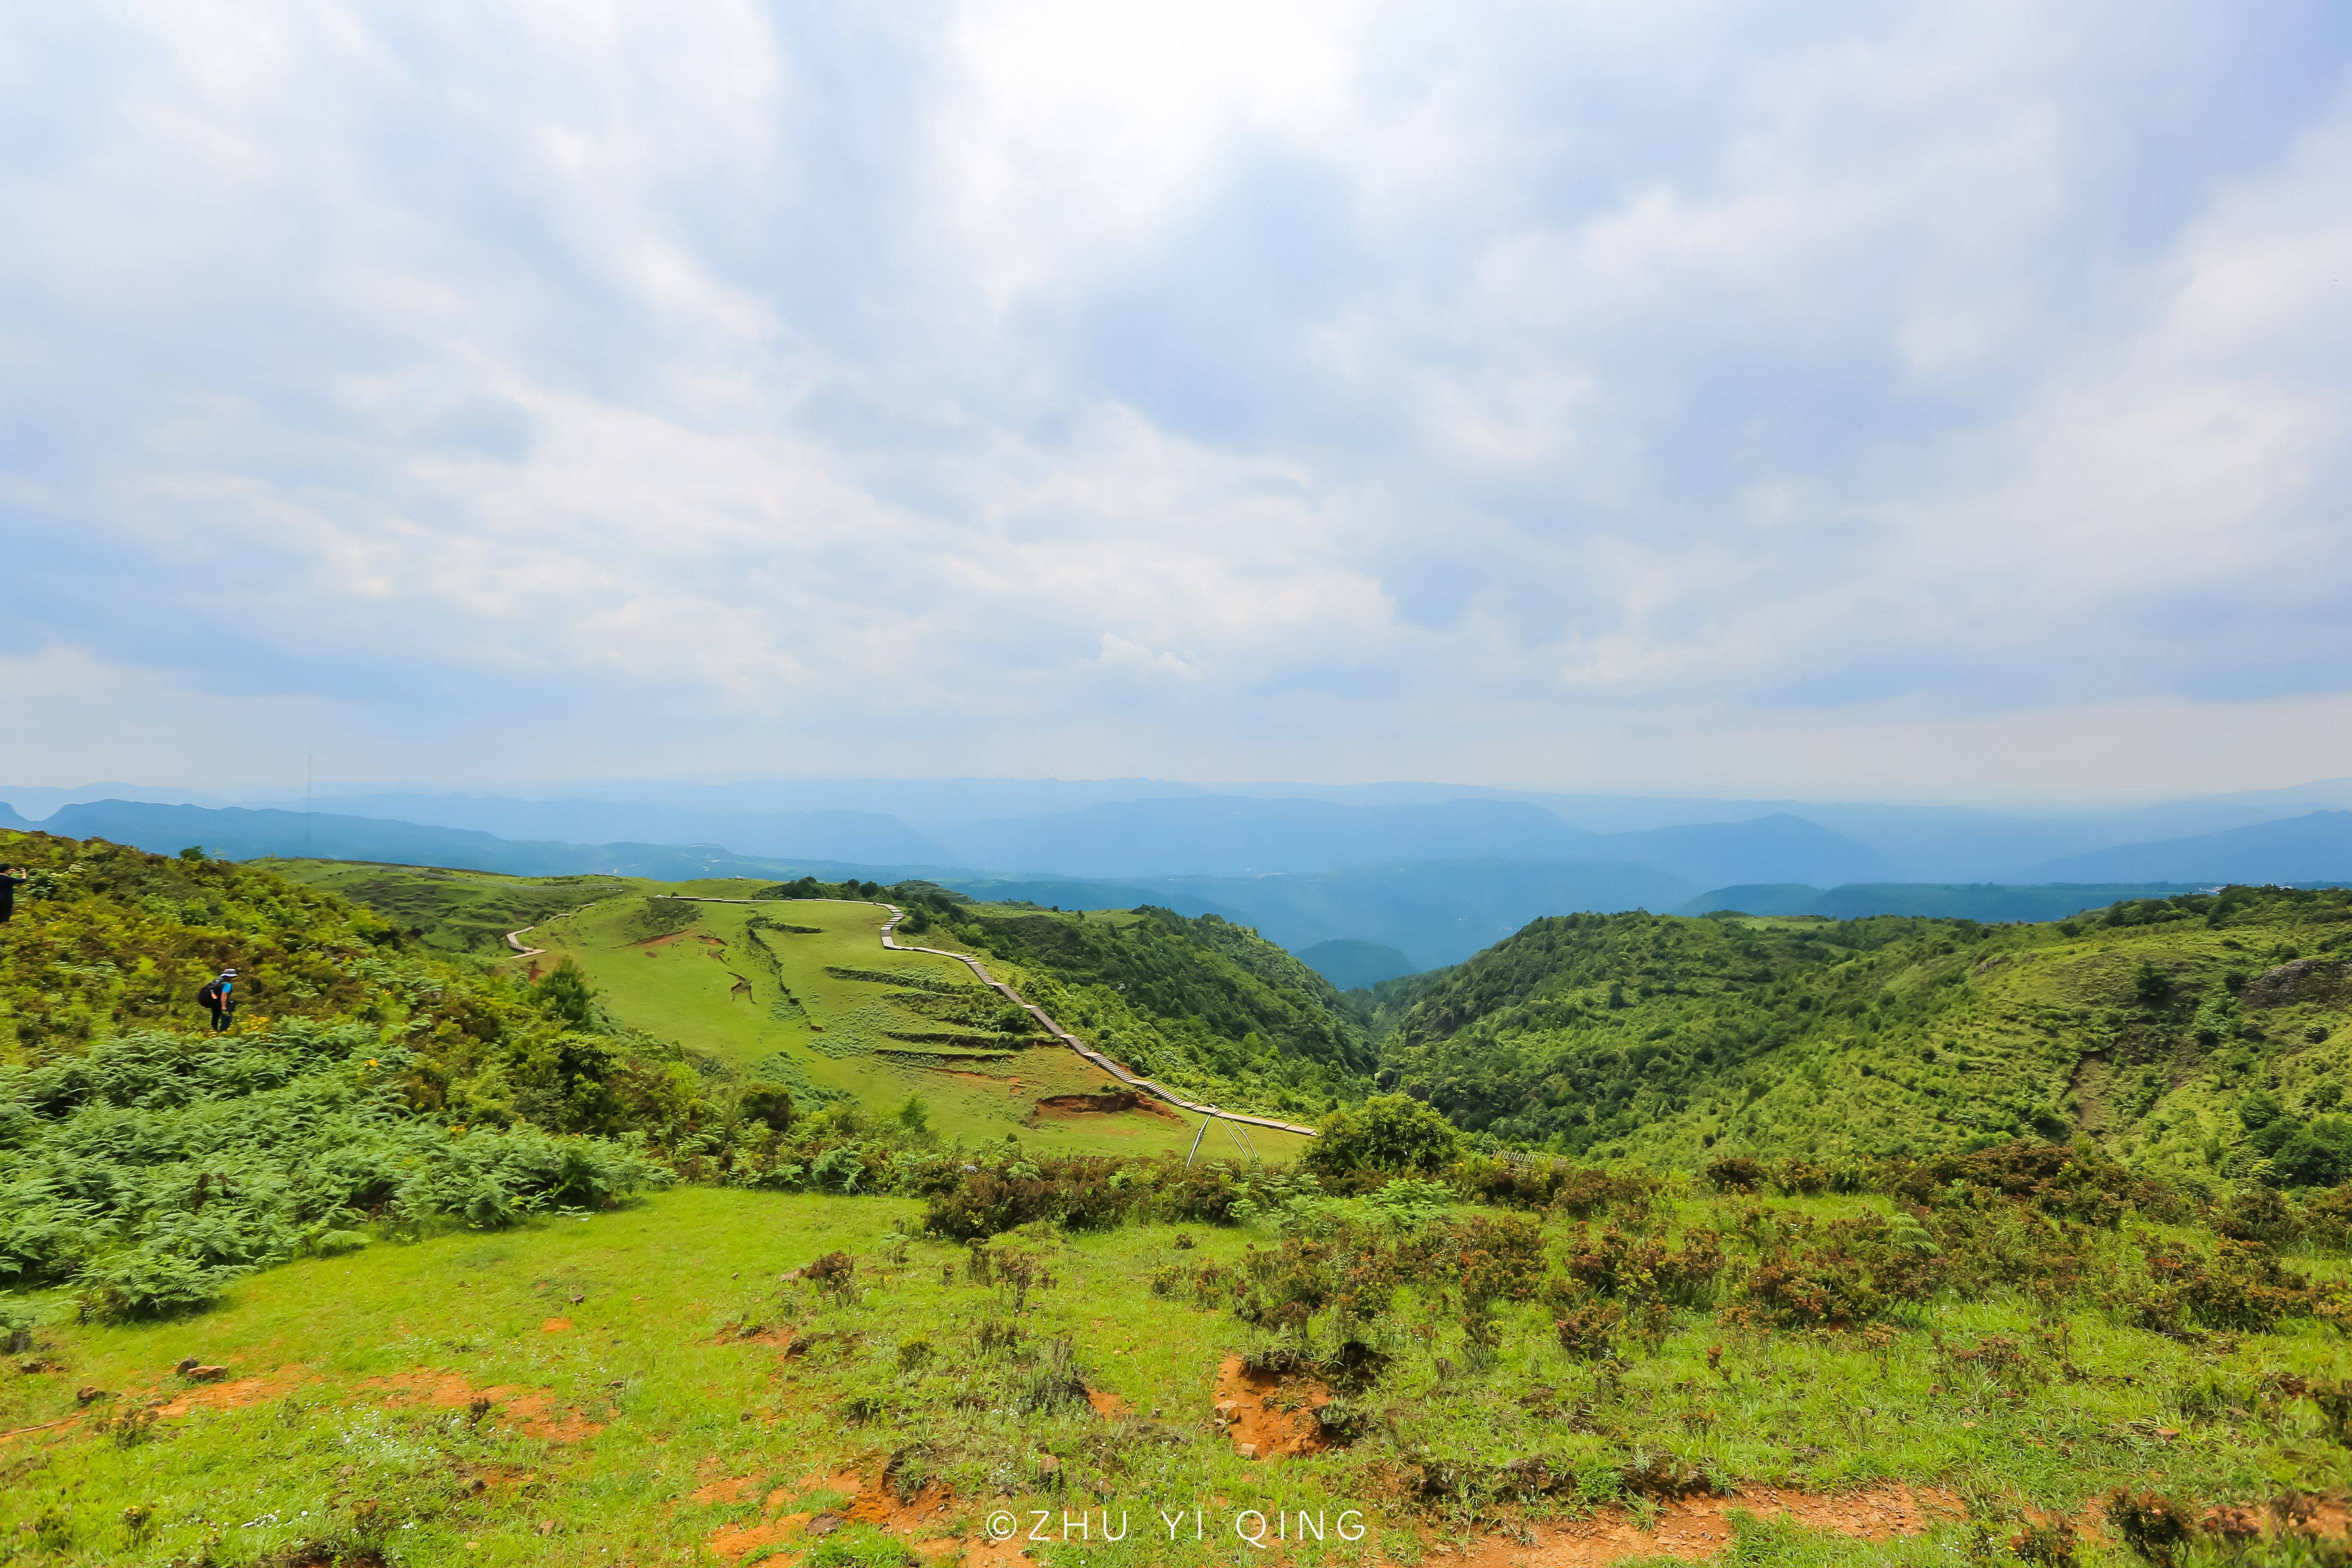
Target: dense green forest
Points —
{"points": [[2199, 1037]]}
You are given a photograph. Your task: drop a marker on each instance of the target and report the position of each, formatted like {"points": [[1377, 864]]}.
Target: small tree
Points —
{"points": [[768, 1104], [1394, 1134], [565, 994]]}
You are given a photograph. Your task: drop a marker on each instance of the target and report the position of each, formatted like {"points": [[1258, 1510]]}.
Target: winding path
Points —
{"points": [[890, 941]]}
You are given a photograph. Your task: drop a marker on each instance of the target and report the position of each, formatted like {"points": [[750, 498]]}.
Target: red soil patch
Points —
{"points": [[919, 1515], [1112, 1103], [555, 1325], [754, 1335], [652, 942], [1694, 1527], [1107, 1406], [532, 1413], [1259, 1415], [233, 1393]]}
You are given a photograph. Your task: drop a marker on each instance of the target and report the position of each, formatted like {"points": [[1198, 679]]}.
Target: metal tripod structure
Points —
{"points": [[1233, 1126]]}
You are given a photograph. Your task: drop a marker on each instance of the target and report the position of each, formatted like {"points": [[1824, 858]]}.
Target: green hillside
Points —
{"points": [[450, 911], [1204, 1006], [795, 990], [364, 1088], [801, 993], [2197, 1037]]}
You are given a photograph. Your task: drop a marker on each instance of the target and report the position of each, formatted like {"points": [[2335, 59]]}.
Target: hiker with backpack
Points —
{"points": [[220, 995], [11, 878]]}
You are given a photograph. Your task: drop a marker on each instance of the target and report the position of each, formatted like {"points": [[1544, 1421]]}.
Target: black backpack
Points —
{"points": [[210, 996]]}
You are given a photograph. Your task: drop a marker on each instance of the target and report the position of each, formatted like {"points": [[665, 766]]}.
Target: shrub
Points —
{"points": [[2259, 1214], [834, 1270], [2241, 1285], [2154, 1526], [150, 1285], [2318, 1154], [1588, 1331], [1795, 1177], [2328, 1217], [770, 1105], [1392, 1134], [1643, 1269], [1735, 1173]]}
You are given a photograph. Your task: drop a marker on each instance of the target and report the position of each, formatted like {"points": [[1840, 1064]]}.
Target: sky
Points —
{"points": [[1831, 399]]}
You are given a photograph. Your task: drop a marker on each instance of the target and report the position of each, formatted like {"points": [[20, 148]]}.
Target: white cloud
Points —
{"points": [[1569, 393]]}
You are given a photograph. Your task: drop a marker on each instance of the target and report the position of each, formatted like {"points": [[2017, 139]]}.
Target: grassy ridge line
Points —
{"points": [[1075, 1043]]}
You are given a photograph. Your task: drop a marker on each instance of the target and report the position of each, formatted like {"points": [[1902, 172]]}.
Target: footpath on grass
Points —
{"points": [[890, 941]]}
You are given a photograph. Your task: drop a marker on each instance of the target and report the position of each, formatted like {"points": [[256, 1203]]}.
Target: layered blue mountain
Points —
{"points": [[869, 837], [1238, 835], [2313, 847], [1992, 903], [1355, 966], [236, 833], [1777, 848]]}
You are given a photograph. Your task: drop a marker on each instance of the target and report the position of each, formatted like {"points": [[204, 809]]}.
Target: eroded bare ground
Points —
{"points": [[1268, 1416], [1691, 1529], [531, 1412], [1694, 1528]]}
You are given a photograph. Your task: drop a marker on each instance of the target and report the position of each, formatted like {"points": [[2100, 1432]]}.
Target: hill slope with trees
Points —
{"points": [[145, 1158], [2198, 1037], [1205, 1007]]}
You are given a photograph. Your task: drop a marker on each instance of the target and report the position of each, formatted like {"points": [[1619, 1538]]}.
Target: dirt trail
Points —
{"points": [[890, 941]]}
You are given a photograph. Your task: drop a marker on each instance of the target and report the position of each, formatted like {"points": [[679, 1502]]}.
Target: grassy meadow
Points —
{"points": [[700, 1377]]}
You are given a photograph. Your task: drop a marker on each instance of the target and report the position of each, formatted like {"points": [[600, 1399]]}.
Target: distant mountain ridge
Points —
{"points": [[1355, 966], [1430, 905], [1992, 903], [2314, 846], [1234, 835], [235, 832], [867, 837]]}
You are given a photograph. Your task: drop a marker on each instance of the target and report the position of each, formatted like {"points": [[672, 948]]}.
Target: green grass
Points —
{"points": [[794, 1006], [324, 1356]]}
